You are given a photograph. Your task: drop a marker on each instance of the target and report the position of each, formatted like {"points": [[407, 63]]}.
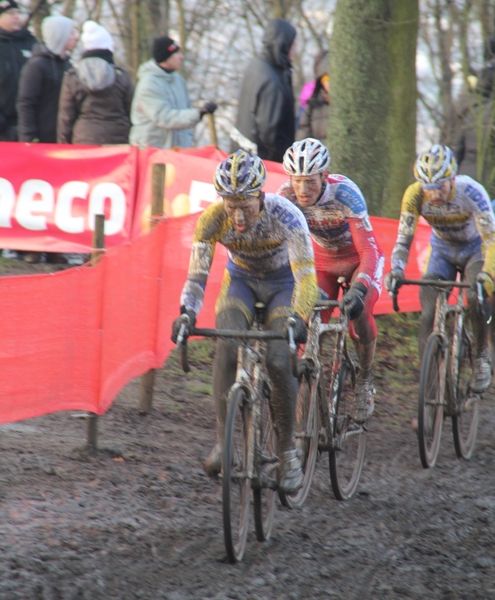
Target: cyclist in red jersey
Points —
{"points": [[345, 245]]}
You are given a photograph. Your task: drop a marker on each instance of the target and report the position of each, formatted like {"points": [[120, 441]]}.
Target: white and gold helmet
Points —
{"points": [[240, 174], [433, 168]]}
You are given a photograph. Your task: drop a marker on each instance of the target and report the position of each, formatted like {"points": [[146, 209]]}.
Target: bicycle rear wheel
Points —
{"points": [[465, 423], [430, 405], [347, 458], [263, 495], [236, 484], [307, 430]]}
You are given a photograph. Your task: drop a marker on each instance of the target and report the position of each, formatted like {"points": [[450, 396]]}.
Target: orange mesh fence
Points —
{"points": [[49, 350], [72, 340], [130, 301]]}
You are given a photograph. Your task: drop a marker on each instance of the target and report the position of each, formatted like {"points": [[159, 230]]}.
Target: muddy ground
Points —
{"points": [[140, 520]]}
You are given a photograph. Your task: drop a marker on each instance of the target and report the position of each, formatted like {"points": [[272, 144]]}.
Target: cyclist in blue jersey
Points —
{"points": [[463, 240]]}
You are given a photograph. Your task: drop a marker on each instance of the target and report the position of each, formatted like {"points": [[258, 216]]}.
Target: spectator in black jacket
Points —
{"points": [[266, 119], [16, 44], [41, 80]]}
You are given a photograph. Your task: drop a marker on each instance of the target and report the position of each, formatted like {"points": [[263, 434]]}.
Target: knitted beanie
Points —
{"points": [[163, 48], [96, 37], [7, 5]]}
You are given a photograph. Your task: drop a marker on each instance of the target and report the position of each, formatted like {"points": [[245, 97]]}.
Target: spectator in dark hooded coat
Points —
{"points": [[266, 118], [95, 101], [16, 44], [41, 80]]}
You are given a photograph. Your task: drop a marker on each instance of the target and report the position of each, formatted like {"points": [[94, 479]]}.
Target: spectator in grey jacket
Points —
{"points": [[96, 96], [41, 80], [161, 113], [16, 44]]}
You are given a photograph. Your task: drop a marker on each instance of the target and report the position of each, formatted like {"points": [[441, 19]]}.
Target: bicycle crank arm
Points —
{"points": [[268, 460], [264, 481]]}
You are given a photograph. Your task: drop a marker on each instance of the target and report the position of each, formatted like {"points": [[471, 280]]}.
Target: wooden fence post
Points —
{"points": [[212, 129], [98, 246], [158, 192]]}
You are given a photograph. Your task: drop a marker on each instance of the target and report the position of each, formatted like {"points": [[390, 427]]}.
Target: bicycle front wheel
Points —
{"points": [[236, 484], [263, 492], [307, 430], [430, 405], [347, 455], [465, 421]]}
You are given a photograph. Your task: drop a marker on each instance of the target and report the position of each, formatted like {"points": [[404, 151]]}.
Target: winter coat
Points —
{"points": [[161, 113], [95, 104], [266, 102], [15, 49], [314, 120], [39, 91]]}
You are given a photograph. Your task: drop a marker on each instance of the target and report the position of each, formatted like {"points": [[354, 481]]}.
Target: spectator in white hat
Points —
{"points": [[96, 96]]}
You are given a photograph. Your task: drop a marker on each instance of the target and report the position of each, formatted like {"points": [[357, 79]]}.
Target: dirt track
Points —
{"points": [[141, 520]]}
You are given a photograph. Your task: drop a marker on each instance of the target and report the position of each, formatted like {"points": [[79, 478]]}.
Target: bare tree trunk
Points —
{"points": [[97, 10], [38, 10], [401, 118], [279, 9], [135, 37], [158, 12], [68, 8], [373, 92]]}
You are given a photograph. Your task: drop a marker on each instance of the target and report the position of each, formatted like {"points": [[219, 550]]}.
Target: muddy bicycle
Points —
{"points": [[324, 406], [249, 460], [446, 373]]}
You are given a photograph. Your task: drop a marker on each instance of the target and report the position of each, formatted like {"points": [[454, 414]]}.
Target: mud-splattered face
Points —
{"points": [[243, 213], [308, 188], [439, 196]]}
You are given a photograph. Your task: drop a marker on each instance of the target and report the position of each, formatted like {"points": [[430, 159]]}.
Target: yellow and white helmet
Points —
{"points": [[240, 174], [433, 168]]}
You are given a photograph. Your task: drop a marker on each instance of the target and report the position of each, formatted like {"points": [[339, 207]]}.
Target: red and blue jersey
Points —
{"points": [[341, 231]]}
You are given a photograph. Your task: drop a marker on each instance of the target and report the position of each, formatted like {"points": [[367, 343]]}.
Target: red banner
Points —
{"points": [[50, 193], [188, 182]]}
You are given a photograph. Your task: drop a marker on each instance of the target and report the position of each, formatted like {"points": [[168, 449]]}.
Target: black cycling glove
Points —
{"points": [[354, 300], [178, 323]]}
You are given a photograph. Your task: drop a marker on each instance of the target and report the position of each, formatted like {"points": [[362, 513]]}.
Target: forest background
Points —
{"points": [[404, 74]]}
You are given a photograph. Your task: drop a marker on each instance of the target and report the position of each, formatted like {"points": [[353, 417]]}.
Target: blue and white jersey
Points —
{"points": [[467, 217], [278, 240], [328, 219]]}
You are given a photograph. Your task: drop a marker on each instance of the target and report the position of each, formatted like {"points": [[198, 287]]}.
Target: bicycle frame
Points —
{"points": [[311, 355], [251, 375], [442, 310]]}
